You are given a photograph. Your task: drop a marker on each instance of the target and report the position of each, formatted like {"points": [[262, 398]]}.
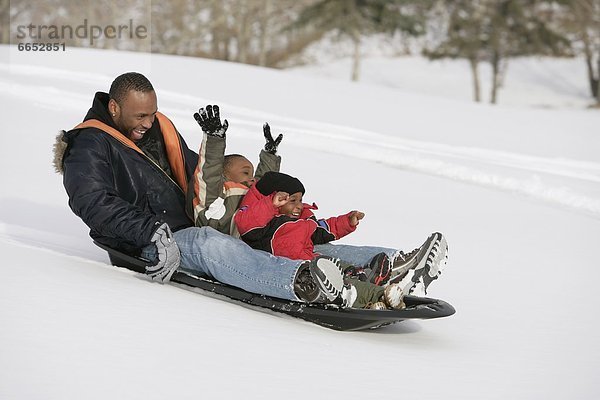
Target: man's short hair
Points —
{"points": [[126, 82]]}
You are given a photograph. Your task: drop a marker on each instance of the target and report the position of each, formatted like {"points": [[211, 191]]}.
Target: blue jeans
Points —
{"points": [[355, 255], [208, 253]]}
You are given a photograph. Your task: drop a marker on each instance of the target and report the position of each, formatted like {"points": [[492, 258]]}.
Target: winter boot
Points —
{"points": [[319, 280], [423, 264], [380, 269]]}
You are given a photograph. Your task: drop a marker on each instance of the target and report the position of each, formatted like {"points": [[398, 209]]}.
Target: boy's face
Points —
{"points": [[293, 207], [240, 170]]}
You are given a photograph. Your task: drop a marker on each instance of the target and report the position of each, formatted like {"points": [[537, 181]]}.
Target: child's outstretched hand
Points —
{"points": [[271, 145], [280, 199], [209, 120], [355, 216]]}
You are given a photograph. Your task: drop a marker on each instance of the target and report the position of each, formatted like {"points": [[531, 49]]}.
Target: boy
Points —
{"points": [[273, 218], [220, 182]]}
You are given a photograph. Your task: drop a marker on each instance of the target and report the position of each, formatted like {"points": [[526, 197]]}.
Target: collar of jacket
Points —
{"points": [[171, 138]]}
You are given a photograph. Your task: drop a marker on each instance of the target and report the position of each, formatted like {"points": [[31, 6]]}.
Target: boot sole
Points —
{"points": [[329, 277]]}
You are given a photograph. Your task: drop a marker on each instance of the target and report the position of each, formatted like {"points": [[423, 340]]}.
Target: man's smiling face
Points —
{"points": [[135, 114]]}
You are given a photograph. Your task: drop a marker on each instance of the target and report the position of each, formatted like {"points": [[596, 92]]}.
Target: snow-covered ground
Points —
{"points": [[515, 189]]}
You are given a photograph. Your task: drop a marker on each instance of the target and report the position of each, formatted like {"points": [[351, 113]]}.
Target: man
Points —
{"points": [[126, 170]]}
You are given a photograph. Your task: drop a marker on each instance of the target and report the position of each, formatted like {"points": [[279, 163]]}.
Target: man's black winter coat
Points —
{"points": [[120, 194]]}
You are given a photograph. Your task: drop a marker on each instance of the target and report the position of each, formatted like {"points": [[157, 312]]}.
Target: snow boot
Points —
{"points": [[322, 281], [319, 280], [423, 264]]}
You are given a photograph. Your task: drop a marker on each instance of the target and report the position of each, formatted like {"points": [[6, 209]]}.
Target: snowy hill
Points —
{"points": [[516, 190]]}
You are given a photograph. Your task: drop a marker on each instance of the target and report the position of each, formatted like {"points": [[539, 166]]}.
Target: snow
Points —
{"points": [[514, 188], [529, 81]]}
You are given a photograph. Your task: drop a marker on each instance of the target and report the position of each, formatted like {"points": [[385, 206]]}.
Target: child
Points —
{"points": [[220, 182], [273, 218]]}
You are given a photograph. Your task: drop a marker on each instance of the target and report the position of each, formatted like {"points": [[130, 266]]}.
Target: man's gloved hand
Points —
{"points": [[271, 145], [168, 255], [209, 120]]}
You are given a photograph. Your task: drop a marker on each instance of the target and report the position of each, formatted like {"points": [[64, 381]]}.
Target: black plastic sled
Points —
{"points": [[330, 316]]}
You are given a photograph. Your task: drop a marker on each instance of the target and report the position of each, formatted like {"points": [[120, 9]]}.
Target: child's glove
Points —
{"points": [[209, 120], [271, 145]]}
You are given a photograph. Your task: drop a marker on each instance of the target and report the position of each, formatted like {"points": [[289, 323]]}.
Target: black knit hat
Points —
{"points": [[279, 182]]}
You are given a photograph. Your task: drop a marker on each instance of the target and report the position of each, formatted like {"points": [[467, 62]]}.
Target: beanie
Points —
{"points": [[279, 182]]}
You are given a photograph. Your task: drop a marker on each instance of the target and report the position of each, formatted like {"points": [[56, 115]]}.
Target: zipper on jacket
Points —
{"points": [[161, 170]]}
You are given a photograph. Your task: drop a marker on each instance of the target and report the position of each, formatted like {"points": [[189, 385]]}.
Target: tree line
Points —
{"points": [[274, 33]]}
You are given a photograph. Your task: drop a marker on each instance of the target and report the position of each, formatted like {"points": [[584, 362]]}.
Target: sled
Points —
{"points": [[330, 316]]}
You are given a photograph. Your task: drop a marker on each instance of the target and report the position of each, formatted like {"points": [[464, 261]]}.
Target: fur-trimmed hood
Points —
{"points": [[99, 111], [59, 149]]}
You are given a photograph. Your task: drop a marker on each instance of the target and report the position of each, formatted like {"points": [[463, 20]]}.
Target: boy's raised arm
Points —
{"points": [[268, 158], [208, 176]]}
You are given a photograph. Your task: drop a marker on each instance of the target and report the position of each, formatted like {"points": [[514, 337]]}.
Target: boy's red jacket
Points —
{"points": [[263, 228]]}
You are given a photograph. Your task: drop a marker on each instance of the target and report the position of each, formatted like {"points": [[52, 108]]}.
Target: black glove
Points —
{"points": [[271, 145], [168, 255], [209, 120]]}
